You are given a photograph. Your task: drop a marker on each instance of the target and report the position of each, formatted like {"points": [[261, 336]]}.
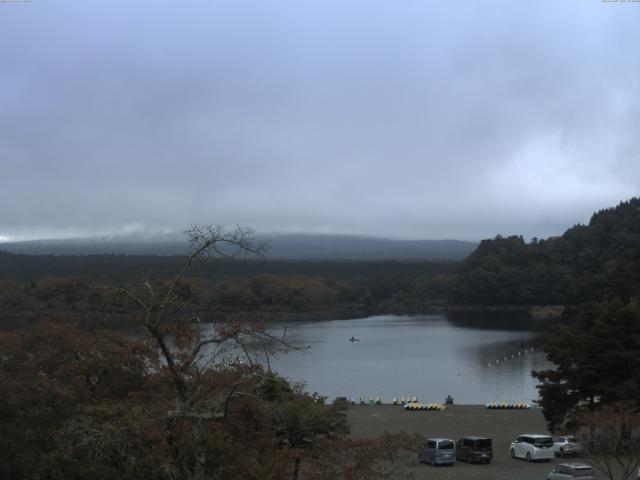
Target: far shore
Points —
{"points": [[539, 316], [539, 313]]}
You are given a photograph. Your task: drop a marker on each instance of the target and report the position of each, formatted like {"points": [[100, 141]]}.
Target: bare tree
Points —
{"points": [[203, 363], [611, 441], [186, 348]]}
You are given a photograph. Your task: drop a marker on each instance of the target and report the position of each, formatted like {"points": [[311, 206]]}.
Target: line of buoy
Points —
{"points": [[425, 406], [506, 358], [508, 406]]}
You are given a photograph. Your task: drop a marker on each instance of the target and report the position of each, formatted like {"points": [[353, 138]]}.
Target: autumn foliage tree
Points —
{"points": [[185, 400], [52, 370]]}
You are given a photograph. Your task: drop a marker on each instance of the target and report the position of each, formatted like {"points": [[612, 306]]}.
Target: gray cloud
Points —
{"points": [[407, 119]]}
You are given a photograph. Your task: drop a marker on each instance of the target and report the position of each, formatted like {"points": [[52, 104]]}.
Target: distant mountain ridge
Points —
{"points": [[280, 247], [351, 247]]}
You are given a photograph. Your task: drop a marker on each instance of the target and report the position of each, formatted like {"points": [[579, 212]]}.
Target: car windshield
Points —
{"points": [[484, 443], [571, 439], [543, 442], [446, 445]]}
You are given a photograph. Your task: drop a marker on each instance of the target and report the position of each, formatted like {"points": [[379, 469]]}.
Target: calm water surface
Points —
{"points": [[427, 356]]}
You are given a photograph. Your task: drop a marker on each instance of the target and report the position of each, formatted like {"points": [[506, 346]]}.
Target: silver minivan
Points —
{"points": [[438, 451]]}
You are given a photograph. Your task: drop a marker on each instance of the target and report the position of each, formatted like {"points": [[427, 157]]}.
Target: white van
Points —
{"points": [[532, 446]]}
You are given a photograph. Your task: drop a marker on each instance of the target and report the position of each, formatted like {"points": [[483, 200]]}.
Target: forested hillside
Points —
{"points": [[586, 263], [33, 285], [129, 267]]}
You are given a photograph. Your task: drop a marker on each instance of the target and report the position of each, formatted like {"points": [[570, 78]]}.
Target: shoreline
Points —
{"points": [[536, 316], [540, 314]]}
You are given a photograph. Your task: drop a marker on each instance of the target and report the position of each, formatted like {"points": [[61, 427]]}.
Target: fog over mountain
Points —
{"points": [[279, 247]]}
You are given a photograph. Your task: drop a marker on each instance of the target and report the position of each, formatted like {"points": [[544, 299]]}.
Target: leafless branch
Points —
{"points": [[191, 358], [611, 441]]}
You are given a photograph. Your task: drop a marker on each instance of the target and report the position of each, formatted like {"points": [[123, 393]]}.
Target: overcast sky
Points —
{"points": [[399, 118]]}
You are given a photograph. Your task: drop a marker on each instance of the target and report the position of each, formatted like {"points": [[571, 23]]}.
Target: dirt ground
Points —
{"points": [[455, 422]]}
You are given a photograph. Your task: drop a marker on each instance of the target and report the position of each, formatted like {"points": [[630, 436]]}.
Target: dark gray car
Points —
{"points": [[474, 449], [570, 471], [438, 451]]}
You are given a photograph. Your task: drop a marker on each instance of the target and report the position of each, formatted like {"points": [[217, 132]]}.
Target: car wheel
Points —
{"points": [[528, 457], [562, 452], [433, 461], [469, 458], [512, 453]]}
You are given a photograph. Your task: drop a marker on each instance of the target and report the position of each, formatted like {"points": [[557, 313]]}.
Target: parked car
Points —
{"points": [[532, 446], [438, 451], [566, 445], [474, 449], [570, 471]]}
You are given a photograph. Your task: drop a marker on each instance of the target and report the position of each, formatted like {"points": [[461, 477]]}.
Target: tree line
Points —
{"points": [[586, 263], [264, 295]]}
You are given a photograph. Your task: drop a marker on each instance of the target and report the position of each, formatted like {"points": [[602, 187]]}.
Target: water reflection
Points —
{"points": [[515, 319], [427, 356]]}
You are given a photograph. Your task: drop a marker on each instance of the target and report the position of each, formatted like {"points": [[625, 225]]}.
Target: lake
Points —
{"points": [[427, 356]]}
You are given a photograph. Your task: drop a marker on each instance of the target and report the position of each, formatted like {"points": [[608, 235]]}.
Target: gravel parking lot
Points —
{"points": [[455, 422]]}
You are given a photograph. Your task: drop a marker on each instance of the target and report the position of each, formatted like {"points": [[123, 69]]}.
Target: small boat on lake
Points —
{"points": [[354, 339]]}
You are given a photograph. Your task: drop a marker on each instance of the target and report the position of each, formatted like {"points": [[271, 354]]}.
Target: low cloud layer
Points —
{"points": [[407, 119]]}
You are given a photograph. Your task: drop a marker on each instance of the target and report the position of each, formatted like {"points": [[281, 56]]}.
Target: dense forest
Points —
{"points": [[120, 268], [31, 286], [588, 262]]}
